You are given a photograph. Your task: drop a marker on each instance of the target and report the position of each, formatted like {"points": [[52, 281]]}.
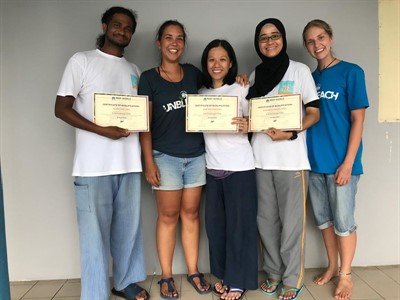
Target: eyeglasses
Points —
{"points": [[265, 39]]}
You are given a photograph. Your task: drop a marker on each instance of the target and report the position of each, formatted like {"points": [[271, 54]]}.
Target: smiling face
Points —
{"points": [[118, 32], [318, 43], [268, 43], [218, 65], [172, 43]]}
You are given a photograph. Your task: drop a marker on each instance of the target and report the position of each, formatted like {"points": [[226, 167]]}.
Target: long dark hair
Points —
{"points": [[232, 73], [107, 17]]}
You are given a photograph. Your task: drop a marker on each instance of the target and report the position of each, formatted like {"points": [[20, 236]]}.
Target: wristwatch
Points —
{"points": [[294, 135]]}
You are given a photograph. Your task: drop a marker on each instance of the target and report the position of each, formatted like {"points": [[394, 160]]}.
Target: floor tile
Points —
{"points": [[370, 283], [392, 271], [388, 289], [70, 289], [19, 290], [45, 289], [323, 292], [371, 274], [12, 283], [305, 295], [362, 290], [258, 294], [192, 295], [74, 280], [47, 298]]}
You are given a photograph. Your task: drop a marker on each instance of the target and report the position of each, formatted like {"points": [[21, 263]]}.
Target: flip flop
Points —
{"points": [[216, 292], [130, 292], [171, 288], [203, 283], [236, 290], [297, 292], [270, 283]]}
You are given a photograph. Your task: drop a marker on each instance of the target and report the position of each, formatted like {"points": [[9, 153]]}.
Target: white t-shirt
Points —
{"points": [[286, 155], [97, 72], [229, 151]]}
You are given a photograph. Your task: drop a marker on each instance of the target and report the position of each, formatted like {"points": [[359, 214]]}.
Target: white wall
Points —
{"points": [[38, 37]]}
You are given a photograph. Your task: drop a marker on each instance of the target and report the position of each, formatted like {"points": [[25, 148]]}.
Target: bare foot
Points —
{"points": [[344, 287], [325, 277]]}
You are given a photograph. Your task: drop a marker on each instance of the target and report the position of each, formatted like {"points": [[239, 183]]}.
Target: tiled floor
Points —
{"points": [[370, 283]]}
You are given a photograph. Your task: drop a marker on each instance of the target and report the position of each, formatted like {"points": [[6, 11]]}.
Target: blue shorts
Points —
{"points": [[177, 173], [333, 205]]}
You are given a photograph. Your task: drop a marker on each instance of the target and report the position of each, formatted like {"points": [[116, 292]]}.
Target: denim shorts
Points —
{"points": [[177, 173], [333, 205]]}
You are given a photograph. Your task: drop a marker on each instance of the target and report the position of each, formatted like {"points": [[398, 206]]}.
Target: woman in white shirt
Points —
{"points": [[231, 198], [281, 163]]}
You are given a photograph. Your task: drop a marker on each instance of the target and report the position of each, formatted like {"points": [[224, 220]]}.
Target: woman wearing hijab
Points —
{"points": [[281, 163]]}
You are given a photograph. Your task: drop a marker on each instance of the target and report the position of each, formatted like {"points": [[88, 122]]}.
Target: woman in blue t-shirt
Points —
{"points": [[335, 147], [174, 159]]}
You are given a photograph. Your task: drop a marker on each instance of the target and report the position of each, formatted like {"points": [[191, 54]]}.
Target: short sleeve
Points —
{"points": [[308, 89], [243, 101], [144, 86], [73, 77], [356, 89]]}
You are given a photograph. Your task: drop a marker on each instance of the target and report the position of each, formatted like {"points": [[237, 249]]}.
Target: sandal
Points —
{"points": [[130, 292], [171, 288], [203, 283], [270, 284], [296, 291], [215, 291], [235, 290]]}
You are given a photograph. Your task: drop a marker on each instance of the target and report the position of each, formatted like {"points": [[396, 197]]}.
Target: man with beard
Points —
{"points": [[107, 164]]}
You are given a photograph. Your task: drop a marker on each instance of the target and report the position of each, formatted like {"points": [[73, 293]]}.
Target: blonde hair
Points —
{"points": [[320, 24]]}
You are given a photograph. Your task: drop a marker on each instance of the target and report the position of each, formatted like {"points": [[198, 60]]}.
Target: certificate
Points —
{"points": [[130, 112], [211, 113], [282, 112]]}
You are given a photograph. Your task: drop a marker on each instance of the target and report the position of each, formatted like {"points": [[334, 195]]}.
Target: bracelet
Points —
{"points": [[294, 135]]}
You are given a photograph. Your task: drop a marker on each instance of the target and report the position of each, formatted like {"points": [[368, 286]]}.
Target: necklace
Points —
{"points": [[320, 71], [169, 78]]}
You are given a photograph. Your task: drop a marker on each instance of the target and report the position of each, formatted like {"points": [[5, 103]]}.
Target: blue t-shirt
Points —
{"points": [[341, 89], [169, 115]]}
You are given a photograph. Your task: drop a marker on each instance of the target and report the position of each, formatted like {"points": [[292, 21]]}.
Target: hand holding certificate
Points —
{"points": [[211, 113], [282, 112], [126, 111]]}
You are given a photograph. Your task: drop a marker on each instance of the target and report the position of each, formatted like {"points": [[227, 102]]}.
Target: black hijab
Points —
{"points": [[271, 71]]}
